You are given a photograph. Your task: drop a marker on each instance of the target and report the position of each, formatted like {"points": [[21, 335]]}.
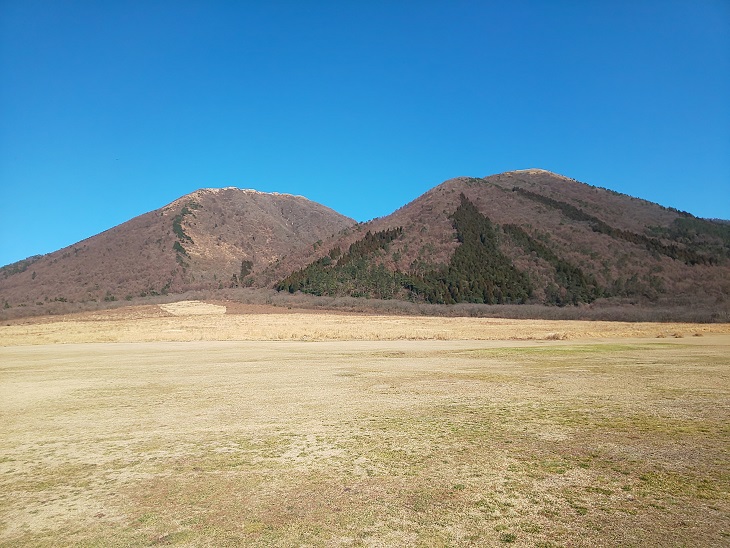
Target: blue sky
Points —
{"points": [[111, 109]]}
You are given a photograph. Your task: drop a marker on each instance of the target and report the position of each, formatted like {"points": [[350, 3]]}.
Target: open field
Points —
{"points": [[474, 432], [203, 321]]}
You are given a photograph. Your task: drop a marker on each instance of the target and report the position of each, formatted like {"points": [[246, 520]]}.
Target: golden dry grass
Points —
{"points": [[195, 321], [537, 442]]}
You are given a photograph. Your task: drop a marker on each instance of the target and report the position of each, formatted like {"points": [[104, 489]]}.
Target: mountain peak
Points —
{"points": [[246, 191], [203, 193], [538, 171], [253, 191]]}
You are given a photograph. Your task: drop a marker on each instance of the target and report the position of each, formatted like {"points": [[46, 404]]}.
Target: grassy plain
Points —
{"points": [[384, 432]]}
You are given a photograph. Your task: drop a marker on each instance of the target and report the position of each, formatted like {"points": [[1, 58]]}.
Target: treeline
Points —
{"points": [[688, 256], [19, 266], [177, 228], [572, 285], [356, 278], [477, 273], [712, 237], [182, 237], [351, 274], [371, 243]]}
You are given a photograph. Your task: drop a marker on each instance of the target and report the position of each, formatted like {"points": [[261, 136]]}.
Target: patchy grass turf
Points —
{"points": [[429, 443]]}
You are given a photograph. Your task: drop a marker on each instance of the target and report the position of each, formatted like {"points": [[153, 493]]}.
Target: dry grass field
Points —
{"points": [[215, 321], [195, 425]]}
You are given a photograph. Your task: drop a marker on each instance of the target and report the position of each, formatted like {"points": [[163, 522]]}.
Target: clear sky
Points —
{"points": [[111, 109]]}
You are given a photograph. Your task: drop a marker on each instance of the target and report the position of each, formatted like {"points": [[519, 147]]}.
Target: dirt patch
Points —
{"points": [[193, 308]]}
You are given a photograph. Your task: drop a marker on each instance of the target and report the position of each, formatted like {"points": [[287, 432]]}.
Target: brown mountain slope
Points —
{"points": [[208, 239], [522, 236], [574, 243]]}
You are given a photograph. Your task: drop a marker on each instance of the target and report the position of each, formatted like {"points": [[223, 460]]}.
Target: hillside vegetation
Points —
{"points": [[526, 237], [209, 240], [478, 272], [520, 237]]}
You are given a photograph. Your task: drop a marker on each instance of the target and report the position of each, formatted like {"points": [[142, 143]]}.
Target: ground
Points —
{"points": [[177, 426]]}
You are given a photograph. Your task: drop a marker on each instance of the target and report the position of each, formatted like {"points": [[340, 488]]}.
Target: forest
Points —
{"points": [[478, 272], [672, 250]]}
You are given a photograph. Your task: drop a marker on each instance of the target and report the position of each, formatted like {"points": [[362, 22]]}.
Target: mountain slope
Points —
{"points": [[211, 238], [521, 236]]}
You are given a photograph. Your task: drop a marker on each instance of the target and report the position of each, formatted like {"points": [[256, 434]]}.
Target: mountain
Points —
{"points": [[209, 239], [527, 236], [521, 236]]}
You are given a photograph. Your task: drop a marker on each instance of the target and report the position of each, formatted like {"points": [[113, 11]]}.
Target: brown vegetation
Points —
{"points": [[626, 247], [696, 310], [628, 258], [210, 239], [226, 321]]}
